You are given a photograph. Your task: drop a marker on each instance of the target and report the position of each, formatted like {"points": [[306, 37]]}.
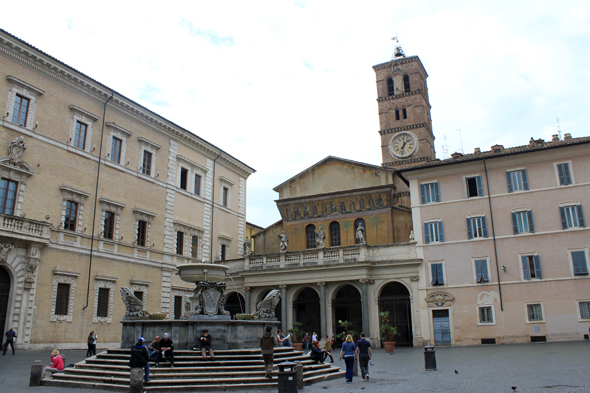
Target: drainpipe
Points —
{"points": [[104, 111], [493, 234], [213, 205]]}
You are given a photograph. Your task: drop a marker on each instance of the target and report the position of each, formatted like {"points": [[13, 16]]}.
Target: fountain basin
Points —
{"points": [[195, 272]]}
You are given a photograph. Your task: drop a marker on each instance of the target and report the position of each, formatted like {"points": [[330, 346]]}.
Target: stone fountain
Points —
{"points": [[204, 309]]}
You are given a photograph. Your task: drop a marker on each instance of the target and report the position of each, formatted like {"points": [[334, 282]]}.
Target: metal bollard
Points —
{"points": [[36, 372], [299, 369], [429, 358], [136, 380]]}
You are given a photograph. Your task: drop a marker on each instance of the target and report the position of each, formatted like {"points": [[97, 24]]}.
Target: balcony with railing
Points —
{"points": [[327, 257], [24, 228]]}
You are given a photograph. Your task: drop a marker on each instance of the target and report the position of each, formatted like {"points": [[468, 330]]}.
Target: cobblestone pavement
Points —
{"points": [[539, 367]]}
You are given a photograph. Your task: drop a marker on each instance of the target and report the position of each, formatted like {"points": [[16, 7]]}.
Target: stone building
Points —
{"points": [[97, 193], [504, 242]]}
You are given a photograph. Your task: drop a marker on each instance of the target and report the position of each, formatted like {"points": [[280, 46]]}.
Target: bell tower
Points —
{"points": [[404, 112]]}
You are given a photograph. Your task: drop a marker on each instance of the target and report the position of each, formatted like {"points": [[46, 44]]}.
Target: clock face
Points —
{"points": [[403, 145]]}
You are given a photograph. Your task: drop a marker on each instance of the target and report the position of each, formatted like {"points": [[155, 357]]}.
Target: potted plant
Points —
{"points": [[296, 336], [387, 332], [346, 326]]}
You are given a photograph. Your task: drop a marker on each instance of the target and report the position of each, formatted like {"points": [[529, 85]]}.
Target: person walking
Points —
{"points": [[348, 351], [306, 341], [328, 349], [364, 353], [10, 337], [268, 342], [57, 364], [92, 337], [140, 358]]}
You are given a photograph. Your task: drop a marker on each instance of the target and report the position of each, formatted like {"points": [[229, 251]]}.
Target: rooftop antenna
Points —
{"points": [[399, 52], [558, 129], [445, 149], [461, 139]]}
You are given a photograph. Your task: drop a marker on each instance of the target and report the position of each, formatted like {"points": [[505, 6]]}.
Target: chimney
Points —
{"points": [[555, 138], [567, 136], [456, 155], [476, 150]]}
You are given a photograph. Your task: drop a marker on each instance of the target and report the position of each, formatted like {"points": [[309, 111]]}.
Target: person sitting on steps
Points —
{"points": [[206, 341], [154, 347], [166, 350], [317, 354]]}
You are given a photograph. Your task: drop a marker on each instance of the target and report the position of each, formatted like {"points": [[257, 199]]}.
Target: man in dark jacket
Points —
{"points": [[154, 347], [206, 341], [10, 336], [166, 350], [268, 341], [140, 358]]}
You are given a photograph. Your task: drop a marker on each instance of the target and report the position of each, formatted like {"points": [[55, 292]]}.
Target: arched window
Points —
{"points": [[310, 236], [397, 114], [358, 222], [334, 234], [390, 90], [406, 83], [404, 113]]}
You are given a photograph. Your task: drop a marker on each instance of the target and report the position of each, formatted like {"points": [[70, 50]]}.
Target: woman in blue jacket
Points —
{"points": [[348, 349]]}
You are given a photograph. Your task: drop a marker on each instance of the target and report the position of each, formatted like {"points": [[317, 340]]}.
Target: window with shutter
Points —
{"points": [[433, 232], [481, 271], [429, 193], [62, 299], [584, 309], [437, 274], [531, 267], [572, 217], [517, 180], [579, 262], [474, 186], [522, 222], [476, 227], [563, 173]]}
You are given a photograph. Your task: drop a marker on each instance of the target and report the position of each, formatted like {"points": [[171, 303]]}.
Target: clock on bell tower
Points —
{"points": [[404, 112]]}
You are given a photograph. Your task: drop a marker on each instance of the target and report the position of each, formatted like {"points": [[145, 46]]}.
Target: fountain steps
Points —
{"points": [[235, 370]]}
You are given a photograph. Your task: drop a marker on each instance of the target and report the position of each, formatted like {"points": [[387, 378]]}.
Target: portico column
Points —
{"points": [[365, 305], [283, 307], [248, 306], [323, 329]]}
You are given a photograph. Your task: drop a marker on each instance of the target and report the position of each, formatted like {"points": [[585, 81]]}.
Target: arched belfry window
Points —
{"points": [[406, 83], [390, 89], [310, 236], [397, 114], [404, 113], [334, 234], [358, 222]]}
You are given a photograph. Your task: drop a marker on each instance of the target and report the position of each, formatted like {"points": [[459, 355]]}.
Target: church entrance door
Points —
{"points": [[346, 306]]}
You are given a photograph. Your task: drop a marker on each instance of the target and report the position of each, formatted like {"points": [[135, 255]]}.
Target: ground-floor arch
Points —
{"points": [[306, 309], [4, 296], [235, 304], [347, 306], [395, 298]]}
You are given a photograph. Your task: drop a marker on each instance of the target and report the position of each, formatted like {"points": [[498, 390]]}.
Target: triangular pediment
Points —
{"points": [[334, 174], [19, 166]]}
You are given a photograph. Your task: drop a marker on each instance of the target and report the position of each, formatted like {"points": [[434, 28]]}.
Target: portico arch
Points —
{"points": [[346, 306], [306, 309], [395, 298], [235, 304]]}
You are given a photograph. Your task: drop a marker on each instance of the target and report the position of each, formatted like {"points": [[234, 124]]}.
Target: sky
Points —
{"points": [[280, 85]]}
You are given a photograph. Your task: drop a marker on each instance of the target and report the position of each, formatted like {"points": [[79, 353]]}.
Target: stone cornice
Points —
{"points": [[74, 191], [403, 60], [148, 142], [52, 68], [24, 84], [405, 128], [86, 113], [396, 96], [118, 128], [406, 162]]}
